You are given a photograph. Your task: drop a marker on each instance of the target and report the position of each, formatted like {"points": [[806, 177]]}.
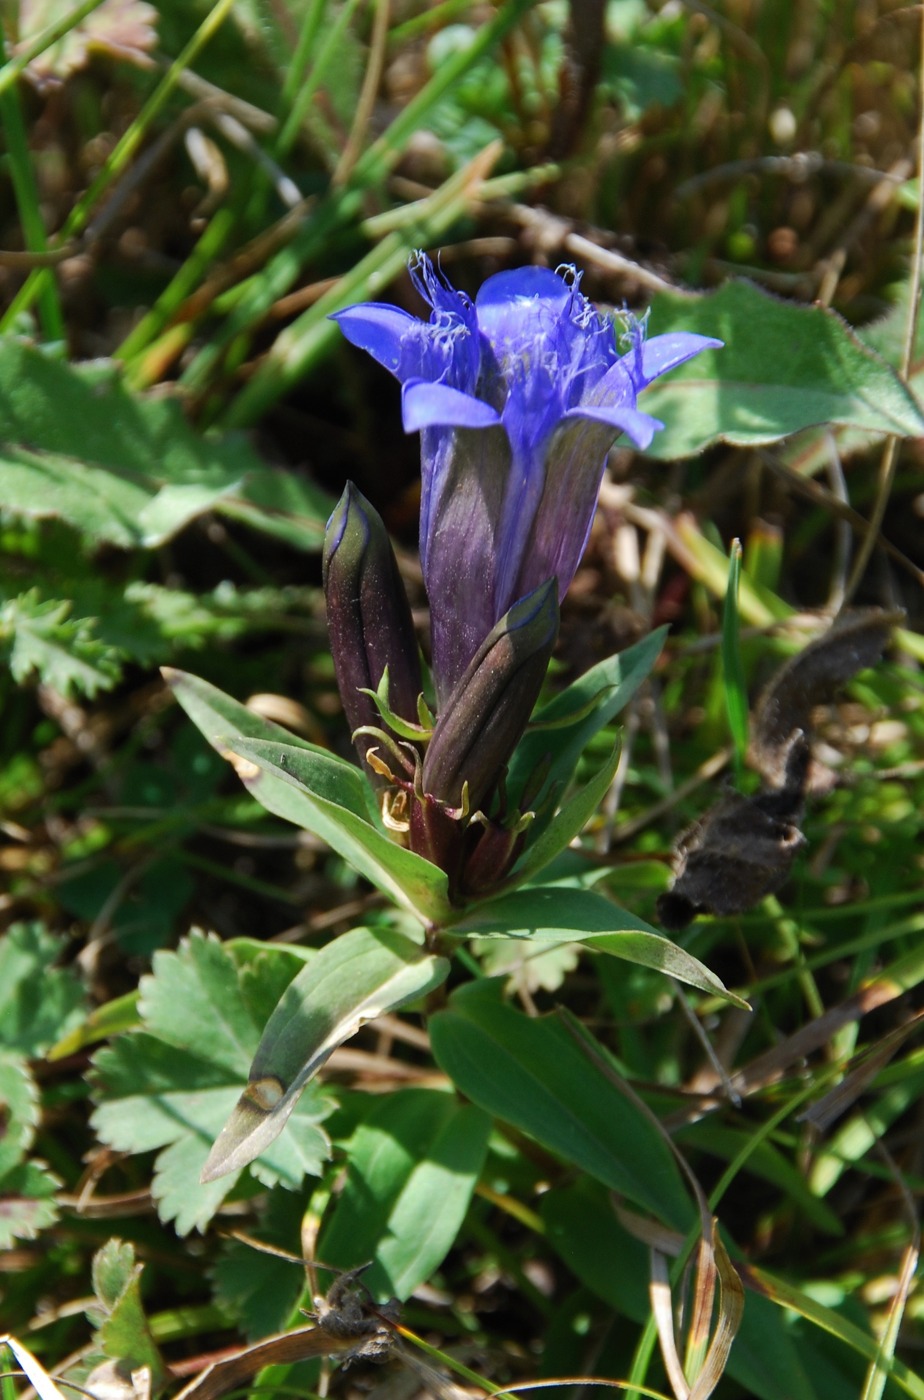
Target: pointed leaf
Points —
{"points": [[169, 1086], [584, 916], [567, 823], [529, 1072], [359, 976], [312, 788], [306, 777], [561, 729]]}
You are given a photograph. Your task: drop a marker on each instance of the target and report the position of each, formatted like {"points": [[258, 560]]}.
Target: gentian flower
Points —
{"points": [[518, 397]]}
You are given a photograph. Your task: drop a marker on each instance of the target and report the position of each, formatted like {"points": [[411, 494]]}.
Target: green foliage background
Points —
{"points": [[188, 189]]}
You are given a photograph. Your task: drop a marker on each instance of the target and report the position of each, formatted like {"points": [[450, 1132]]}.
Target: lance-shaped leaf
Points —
{"points": [[314, 789], [560, 731], [359, 976], [563, 914]]}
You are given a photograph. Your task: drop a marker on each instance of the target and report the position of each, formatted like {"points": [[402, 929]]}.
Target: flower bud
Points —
{"points": [[481, 725], [368, 617]]}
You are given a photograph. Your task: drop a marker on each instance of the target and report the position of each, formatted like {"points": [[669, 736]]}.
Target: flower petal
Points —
{"points": [[426, 405], [664, 352], [380, 329], [638, 426]]}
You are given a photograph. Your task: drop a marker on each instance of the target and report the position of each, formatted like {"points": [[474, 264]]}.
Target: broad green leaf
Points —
{"points": [[560, 731], [358, 977], [122, 1331], [412, 1166], [784, 367], [312, 788], [584, 916], [136, 472], [530, 1073], [169, 1086], [39, 1003]]}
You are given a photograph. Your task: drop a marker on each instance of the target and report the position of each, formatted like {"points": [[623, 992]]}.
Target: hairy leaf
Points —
{"points": [[39, 1003], [170, 1085]]}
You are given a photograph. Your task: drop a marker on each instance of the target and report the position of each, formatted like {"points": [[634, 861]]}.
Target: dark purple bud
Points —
{"points": [[368, 618], [481, 725]]}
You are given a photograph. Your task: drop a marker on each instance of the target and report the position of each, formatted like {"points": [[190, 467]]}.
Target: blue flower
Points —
{"points": [[518, 397]]}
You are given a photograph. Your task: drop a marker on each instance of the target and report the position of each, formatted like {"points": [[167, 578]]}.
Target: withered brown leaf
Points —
{"points": [[744, 847], [813, 677]]}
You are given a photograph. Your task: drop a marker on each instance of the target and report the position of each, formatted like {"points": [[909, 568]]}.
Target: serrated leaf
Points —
{"points": [[359, 976], [526, 967], [170, 1086], [42, 641], [137, 472], [19, 1109], [27, 1202], [39, 1003], [122, 1329], [412, 1167], [312, 788], [584, 916], [529, 1072], [784, 367]]}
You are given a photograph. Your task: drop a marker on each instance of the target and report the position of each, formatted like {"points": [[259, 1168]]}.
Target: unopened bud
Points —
{"points": [[368, 617], [481, 725]]}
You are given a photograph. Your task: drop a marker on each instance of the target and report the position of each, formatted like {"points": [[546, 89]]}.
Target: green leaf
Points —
{"points": [[103, 1022], [358, 977], [584, 916], [765, 1358], [39, 638], [734, 688], [39, 1003], [122, 1329], [19, 1109], [530, 1073], [136, 472], [784, 367], [412, 1167], [525, 966], [561, 730], [27, 1202], [171, 1085], [262, 1289], [567, 823], [312, 788]]}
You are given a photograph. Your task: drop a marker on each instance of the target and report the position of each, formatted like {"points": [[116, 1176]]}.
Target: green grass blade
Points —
{"points": [[736, 695]]}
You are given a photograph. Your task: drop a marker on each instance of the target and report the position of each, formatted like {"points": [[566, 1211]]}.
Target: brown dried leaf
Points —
{"points": [[740, 851], [854, 641]]}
